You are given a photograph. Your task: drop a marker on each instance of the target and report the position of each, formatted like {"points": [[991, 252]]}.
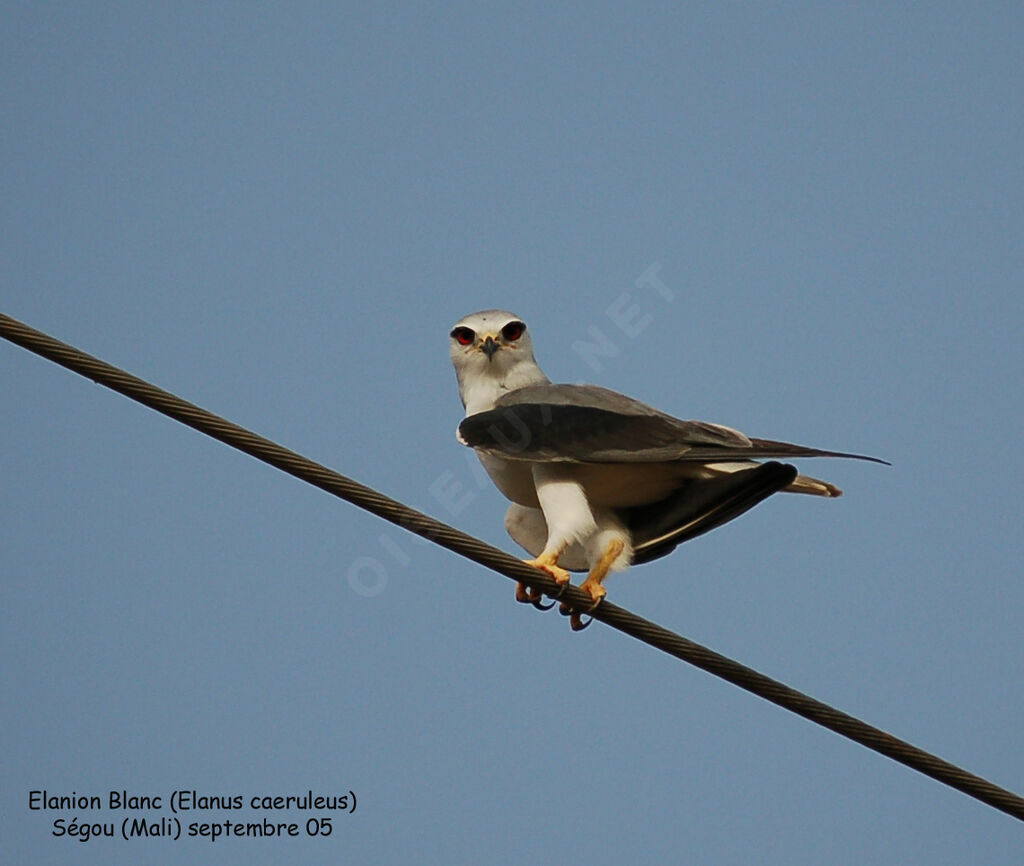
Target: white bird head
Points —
{"points": [[493, 354]]}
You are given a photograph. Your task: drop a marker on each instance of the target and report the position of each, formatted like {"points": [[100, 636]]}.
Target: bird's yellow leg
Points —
{"points": [[600, 570], [592, 585], [547, 562]]}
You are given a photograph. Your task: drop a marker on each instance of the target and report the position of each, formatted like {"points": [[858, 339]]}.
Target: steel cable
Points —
{"points": [[503, 563]]}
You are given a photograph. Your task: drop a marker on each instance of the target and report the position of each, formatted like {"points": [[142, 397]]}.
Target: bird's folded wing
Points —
{"points": [[587, 424], [698, 506]]}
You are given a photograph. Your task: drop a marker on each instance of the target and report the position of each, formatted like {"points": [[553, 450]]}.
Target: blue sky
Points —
{"points": [[278, 210]]}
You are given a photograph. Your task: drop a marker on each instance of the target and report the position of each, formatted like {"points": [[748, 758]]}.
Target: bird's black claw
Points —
{"points": [[527, 595], [576, 623]]}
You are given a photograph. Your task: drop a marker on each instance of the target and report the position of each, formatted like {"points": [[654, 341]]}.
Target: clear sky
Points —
{"points": [[279, 210]]}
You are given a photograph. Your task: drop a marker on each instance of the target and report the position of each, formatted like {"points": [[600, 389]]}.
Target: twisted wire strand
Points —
{"points": [[503, 563]]}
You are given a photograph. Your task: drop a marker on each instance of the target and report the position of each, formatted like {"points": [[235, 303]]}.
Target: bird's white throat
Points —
{"points": [[480, 385]]}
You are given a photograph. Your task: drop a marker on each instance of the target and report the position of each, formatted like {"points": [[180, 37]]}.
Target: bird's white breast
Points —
{"points": [[514, 478], [609, 485], [623, 485]]}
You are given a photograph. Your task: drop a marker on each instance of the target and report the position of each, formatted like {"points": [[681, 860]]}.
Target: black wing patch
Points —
{"points": [[550, 431], [700, 506]]}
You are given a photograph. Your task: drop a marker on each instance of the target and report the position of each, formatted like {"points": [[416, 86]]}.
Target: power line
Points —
{"points": [[503, 563]]}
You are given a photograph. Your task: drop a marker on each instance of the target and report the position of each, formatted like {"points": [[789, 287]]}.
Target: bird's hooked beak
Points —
{"points": [[489, 347]]}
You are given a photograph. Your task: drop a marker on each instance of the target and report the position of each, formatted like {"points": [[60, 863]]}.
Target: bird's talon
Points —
{"points": [[576, 623], [526, 595]]}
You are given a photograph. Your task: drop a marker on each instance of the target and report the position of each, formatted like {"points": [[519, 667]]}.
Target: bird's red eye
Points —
{"points": [[513, 331], [463, 336]]}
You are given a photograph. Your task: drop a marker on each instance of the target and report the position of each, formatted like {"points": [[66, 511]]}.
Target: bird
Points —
{"points": [[599, 481]]}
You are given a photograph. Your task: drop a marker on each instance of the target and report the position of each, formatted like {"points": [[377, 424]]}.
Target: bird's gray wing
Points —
{"points": [[588, 424]]}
